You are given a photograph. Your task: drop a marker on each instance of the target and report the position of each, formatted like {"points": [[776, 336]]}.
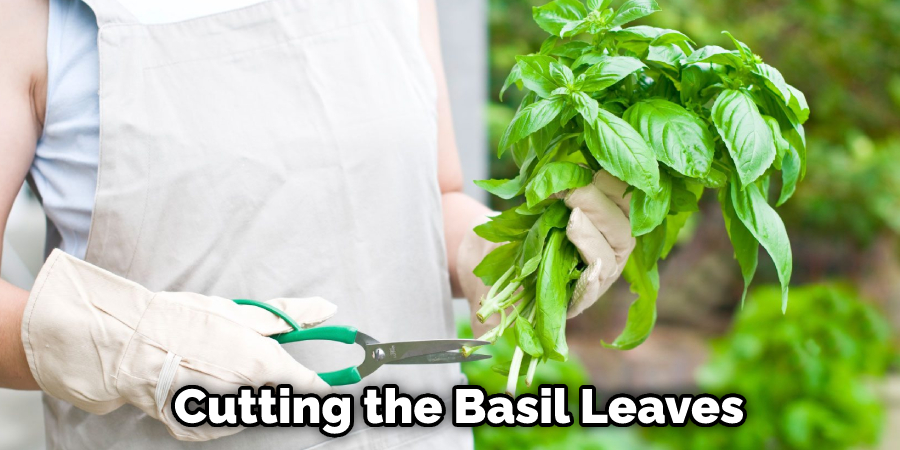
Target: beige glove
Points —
{"points": [[99, 341], [599, 228]]}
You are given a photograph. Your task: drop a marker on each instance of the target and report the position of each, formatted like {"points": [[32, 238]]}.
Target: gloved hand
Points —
{"points": [[99, 341], [598, 227]]}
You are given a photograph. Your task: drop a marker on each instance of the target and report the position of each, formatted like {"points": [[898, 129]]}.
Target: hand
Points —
{"points": [[99, 341], [600, 229]]}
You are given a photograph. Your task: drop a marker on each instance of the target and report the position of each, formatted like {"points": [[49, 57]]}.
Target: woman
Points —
{"points": [[288, 149]]}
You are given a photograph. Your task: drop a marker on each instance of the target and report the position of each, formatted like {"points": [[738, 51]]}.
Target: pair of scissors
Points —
{"points": [[435, 351]]}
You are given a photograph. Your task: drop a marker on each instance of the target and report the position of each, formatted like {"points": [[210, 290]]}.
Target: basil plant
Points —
{"points": [[653, 109]]}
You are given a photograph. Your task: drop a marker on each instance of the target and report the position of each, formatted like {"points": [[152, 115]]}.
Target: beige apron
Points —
{"points": [[286, 149]]}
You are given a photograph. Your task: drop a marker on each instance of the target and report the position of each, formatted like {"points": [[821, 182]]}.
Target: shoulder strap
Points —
{"points": [[110, 11]]}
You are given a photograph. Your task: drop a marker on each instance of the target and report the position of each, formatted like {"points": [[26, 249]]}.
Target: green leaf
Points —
{"points": [[679, 138], [608, 71], [530, 119], [633, 10], [586, 106], [745, 133], [552, 294], [505, 189], [622, 152], [497, 262], [644, 33], [575, 28], [742, 48], [715, 55], [694, 79], [553, 16], [506, 226], [527, 339], [555, 177], [746, 247], [674, 224], [774, 81], [798, 104], [514, 77], [571, 50], [644, 282], [751, 207], [555, 216], [535, 74], [548, 45], [561, 74], [589, 58], [790, 174], [796, 138], [648, 212], [668, 56], [781, 145]]}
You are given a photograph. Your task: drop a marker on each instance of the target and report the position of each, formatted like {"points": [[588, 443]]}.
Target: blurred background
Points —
{"points": [[824, 375]]}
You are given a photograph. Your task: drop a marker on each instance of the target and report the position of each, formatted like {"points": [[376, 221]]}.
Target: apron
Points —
{"points": [[286, 149]]}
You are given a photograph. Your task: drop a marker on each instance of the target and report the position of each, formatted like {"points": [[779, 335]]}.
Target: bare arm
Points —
{"points": [[460, 210], [23, 34]]}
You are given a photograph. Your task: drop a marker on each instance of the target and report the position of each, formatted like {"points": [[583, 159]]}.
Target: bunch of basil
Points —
{"points": [[668, 118]]}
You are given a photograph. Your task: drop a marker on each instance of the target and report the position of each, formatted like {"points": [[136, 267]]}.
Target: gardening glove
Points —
{"points": [[600, 230], [100, 341]]}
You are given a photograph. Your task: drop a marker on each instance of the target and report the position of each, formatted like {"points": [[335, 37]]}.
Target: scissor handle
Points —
{"points": [[336, 333]]}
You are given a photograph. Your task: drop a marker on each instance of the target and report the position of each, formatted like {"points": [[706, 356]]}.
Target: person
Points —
{"points": [[190, 153]]}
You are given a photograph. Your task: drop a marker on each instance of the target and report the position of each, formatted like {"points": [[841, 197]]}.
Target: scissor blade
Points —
{"points": [[395, 351], [441, 358]]}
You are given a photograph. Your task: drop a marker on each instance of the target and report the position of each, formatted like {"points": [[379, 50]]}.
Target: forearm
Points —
{"points": [[14, 371], [460, 213]]}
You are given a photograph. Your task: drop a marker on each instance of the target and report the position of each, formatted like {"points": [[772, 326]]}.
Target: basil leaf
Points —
{"points": [[497, 262], [507, 226], [764, 224], [674, 224], [552, 294], [679, 138], [790, 174], [644, 33], [694, 79], [742, 48], [608, 71], [571, 50], [553, 16], [555, 177], [796, 138], [644, 282], [798, 104], [530, 119], [715, 55], [622, 152], [527, 339], [589, 58], [668, 56], [555, 216], [548, 45], [514, 77], [536, 75], [773, 80], [648, 212], [633, 10], [746, 247], [586, 106], [745, 133], [561, 74]]}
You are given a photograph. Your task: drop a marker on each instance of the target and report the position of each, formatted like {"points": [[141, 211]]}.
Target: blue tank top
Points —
{"points": [[66, 159]]}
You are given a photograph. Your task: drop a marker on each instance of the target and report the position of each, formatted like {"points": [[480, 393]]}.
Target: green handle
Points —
{"points": [[341, 377], [336, 333]]}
